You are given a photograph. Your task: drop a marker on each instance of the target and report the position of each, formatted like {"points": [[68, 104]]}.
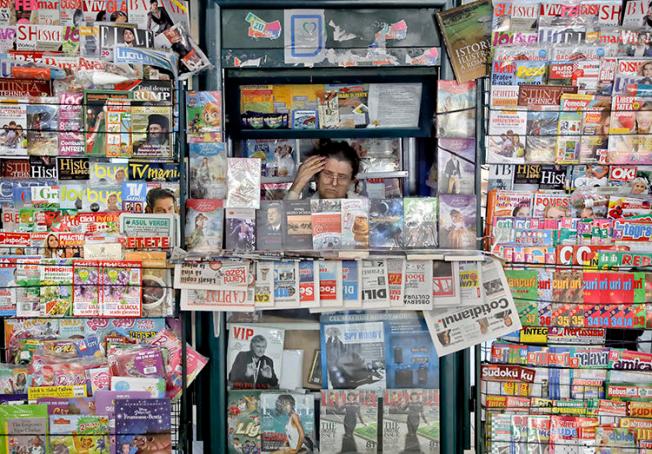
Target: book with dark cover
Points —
{"points": [[385, 223], [149, 417], [297, 234], [240, 225], [269, 226]]}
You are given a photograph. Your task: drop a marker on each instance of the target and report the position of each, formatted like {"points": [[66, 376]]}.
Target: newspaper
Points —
{"points": [[217, 300], [454, 329], [375, 291], [167, 61], [264, 290], [215, 275], [395, 277], [191, 59], [470, 283], [418, 285], [286, 284]]}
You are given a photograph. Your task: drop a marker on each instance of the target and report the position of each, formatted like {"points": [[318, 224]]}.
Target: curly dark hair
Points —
{"points": [[341, 151]]}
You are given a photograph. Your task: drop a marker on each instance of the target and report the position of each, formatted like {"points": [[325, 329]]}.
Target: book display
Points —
{"points": [[568, 213], [94, 356]]}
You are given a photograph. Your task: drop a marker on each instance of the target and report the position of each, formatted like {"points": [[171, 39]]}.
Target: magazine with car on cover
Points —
{"points": [[255, 357], [348, 421], [287, 422]]}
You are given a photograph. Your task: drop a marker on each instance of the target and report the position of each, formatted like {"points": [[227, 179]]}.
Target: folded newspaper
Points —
{"points": [[454, 329]]}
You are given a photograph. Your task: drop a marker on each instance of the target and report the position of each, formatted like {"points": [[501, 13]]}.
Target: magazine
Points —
{"points": [[151, 130], [348, 421], [326, 224], [151, 418], [385, 223], [330, 284], [420, 222], [240, 228], [278, 156], [353, 352], [69, 431], [467, 34], [457, 222], [395, 281], [355, 223], [13, 140], [243, 422], [243, 183], [455, 166], [283, 416], [204, 225], [42, 127], [204, 116], [455, 109], [411, 420], [254, 357], [269, 226], [26, 426], [208, 168]]}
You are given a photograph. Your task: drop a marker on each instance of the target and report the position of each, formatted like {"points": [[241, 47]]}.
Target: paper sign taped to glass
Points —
{"points": [[304, 36]]}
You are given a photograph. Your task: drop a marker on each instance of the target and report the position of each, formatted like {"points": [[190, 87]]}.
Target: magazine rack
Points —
{"points": [[181, 423]]}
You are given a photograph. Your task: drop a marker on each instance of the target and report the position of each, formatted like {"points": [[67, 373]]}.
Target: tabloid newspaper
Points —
{"points": [[458, 328], [375, 290]]}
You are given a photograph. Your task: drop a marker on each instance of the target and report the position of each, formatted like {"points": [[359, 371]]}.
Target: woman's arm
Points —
{"points": [[297, 423]]}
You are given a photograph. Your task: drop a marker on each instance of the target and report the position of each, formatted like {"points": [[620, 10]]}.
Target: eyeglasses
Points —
{"points": [[335, 178]]}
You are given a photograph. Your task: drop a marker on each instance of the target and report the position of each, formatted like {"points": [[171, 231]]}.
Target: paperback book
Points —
{"points": [[269, 226], [326, 222], [420, 218], [240, 229], [298, 225], [208, 167], [204, 225], [136, 419], [385, 223], [457, 221]]}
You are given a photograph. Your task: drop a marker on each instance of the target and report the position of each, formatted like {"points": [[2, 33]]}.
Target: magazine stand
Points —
{"points": [[553, 385], [60, 289], [245, 61]]}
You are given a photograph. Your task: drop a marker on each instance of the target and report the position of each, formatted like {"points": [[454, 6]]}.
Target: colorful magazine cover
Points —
{"points": [[385, 223], [326, 224], [208, 167], [467, 34], [348, 421], [204, 116], [284, 417], [457, 221], [79, 434], [420, 218], [151, 131], [355, 223], [455, 109], [255, 357], [143, 424], [411, 420], [240, 229], [42, 127], [25, 426], [243, 415], [278, 156], [204, 225], [13, 138], [455, 166]]}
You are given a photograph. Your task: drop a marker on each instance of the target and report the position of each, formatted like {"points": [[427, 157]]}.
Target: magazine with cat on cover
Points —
{"points": [[348, 421], [208, 167], [204, 225], [283, 417], [385, 223], [243, 419], [420, 222], [255, 356], [411, 420]]}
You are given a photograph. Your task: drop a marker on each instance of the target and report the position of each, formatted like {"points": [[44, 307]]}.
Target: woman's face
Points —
{"points": [[522, 212], [639, 187], [556, 213], [128, 36], [586, 213], [647, 70], [53, 242]]}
